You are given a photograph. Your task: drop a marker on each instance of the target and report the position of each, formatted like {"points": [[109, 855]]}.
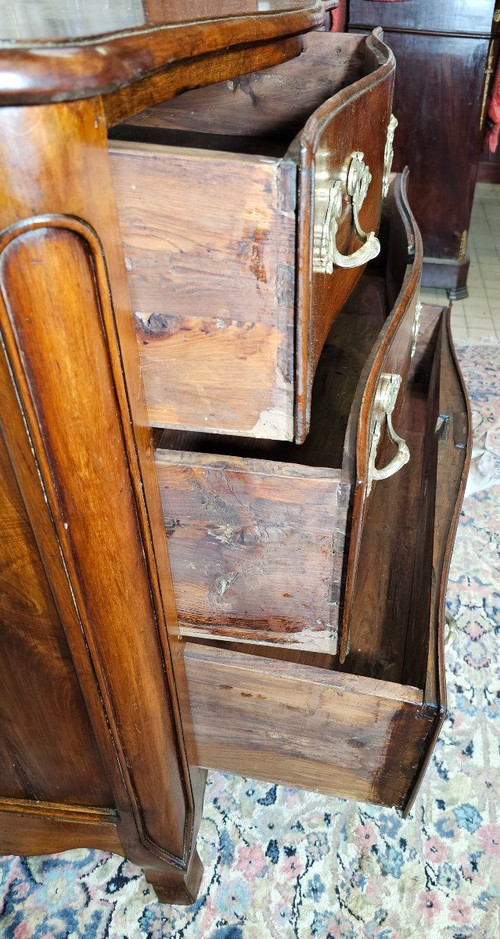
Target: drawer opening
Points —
{"points": [[294, 717], [254, 512], [349, 346], [392, 626], [222, 196], [261, 113]]}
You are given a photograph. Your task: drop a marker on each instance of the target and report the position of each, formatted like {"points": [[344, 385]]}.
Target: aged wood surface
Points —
{"points": [[41, 757], [388, 562], [241, 511], [390, 355], [339, 734], [67, 51], [234, 525], [209, 242], [344, 732], [121, 104], [77, 437], [312, 112], [25, 825], [262, 112]]}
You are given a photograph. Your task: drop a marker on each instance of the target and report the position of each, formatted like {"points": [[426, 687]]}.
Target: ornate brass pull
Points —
{"points": [[385, 400], [326, 255]]}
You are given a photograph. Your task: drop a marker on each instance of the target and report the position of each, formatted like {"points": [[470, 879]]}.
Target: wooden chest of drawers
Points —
{"points": [[284, 388]]}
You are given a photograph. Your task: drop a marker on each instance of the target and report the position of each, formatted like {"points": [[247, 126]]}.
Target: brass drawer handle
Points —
{"points": [[327, 255], [385, 400]]}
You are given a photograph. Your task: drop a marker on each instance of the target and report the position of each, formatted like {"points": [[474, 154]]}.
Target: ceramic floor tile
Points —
{"points": [[483, 325], [476, 312], [459, 332], [477, 333]]}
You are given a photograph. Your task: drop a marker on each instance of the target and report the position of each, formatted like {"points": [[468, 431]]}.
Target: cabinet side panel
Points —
{"points": [[438, 134], [47, 748]]}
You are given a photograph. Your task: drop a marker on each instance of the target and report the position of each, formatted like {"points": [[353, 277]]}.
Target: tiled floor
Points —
{"points": [[479, 315]]}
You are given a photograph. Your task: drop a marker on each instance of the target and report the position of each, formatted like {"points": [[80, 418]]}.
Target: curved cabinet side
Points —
{"points": [[79, 392]]}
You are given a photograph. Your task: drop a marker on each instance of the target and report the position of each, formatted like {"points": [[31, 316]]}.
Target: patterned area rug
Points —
{"points": [[283, 863]]}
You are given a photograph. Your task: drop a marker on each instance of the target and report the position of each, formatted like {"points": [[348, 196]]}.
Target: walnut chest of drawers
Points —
{"points": [[232, 443]]}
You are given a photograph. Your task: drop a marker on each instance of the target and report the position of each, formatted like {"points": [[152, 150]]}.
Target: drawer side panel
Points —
{"points": [[209, 242], [251, 551], [339, 734]]}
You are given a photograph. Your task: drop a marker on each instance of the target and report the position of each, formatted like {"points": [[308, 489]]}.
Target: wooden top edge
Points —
{"points": [[342, 681], [240, 464], [385, 65], [68, 67], [165, 151]]}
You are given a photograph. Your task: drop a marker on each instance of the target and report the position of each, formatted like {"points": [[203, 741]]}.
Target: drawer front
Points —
{"points": [[375, 452], [257, 537], [345, 157], [230, 316]]}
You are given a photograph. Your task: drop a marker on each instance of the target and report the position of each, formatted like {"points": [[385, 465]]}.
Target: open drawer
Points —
{"points": [[248, 211], [363, 730], [264, 537]]}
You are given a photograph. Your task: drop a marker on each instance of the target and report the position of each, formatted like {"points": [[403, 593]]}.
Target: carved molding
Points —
{"points": [[47, 442]]}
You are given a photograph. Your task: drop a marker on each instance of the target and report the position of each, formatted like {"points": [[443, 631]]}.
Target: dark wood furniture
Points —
{"points": [[93, 741], [489, 159], [109, 705], [442, 51]]}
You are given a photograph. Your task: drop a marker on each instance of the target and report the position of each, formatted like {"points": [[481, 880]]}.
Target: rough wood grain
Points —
{"points": [[263, 111], [243, 585], [209, 243], [301, 121], [345, 733], [306, 727], [243, 521], [253, 506]]}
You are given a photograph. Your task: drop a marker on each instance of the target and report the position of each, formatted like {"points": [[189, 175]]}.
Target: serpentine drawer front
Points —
{"points": [[248, 211], [365, 729], [256, 529]]}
